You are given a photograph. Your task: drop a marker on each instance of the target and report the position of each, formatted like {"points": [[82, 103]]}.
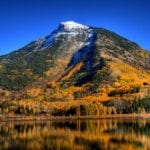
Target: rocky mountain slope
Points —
{"points": [[76, 63]]}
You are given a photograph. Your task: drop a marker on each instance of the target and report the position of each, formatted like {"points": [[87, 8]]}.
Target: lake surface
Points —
{"points": [[76, 135]]}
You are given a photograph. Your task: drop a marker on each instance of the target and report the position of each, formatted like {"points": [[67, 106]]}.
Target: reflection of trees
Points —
{"points": [[75, 134]]}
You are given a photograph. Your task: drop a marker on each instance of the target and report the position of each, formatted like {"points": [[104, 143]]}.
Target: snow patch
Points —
{"points": [[69, 29], [69, 25], [86, 48]]}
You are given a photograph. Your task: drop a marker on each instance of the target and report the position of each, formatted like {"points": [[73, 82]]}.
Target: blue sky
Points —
{"points": [[22, 21]]}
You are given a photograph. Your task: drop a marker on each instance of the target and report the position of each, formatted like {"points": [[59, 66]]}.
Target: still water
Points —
{"points": [[76, 135]]}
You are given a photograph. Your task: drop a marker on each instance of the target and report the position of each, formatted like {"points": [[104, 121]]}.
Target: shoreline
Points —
{"points": [[62, 118]]}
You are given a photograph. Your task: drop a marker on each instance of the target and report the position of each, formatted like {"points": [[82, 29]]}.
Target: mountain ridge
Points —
{"points": [[43, 38], [76, 63]]}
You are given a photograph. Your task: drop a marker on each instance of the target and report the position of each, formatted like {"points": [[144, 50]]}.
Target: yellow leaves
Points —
{"points": [[4, 92], [1, 67], [14, 71], [116, 84], [29, 71], [73, 89], [91, 98], [124, 74], [144, 53], [52, 84], [61, 61], [106, 56], [34, 92], [72, 71], [48, 72], [60, 64], [63, 94]]}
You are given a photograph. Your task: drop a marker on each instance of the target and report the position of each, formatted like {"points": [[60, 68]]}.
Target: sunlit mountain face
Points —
{"points": [[77, 65]]}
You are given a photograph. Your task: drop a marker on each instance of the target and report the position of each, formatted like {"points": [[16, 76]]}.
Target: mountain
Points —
{"points": [[75, 65]]}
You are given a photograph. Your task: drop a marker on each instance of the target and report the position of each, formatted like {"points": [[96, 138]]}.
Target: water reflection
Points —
{"points": [[76, 135]]}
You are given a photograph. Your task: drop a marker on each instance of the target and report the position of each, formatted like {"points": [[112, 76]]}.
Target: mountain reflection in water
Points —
{"points": [[76, 135]]}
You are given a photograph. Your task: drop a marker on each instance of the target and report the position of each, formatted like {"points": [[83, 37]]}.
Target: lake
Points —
{"points": [[103, 134]]}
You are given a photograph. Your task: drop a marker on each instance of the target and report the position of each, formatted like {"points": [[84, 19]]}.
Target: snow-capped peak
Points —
{"points": [[69, 29], [69, 25]]}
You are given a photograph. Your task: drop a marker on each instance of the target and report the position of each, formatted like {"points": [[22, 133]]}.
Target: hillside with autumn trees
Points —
{"points": [[77, 70]]}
